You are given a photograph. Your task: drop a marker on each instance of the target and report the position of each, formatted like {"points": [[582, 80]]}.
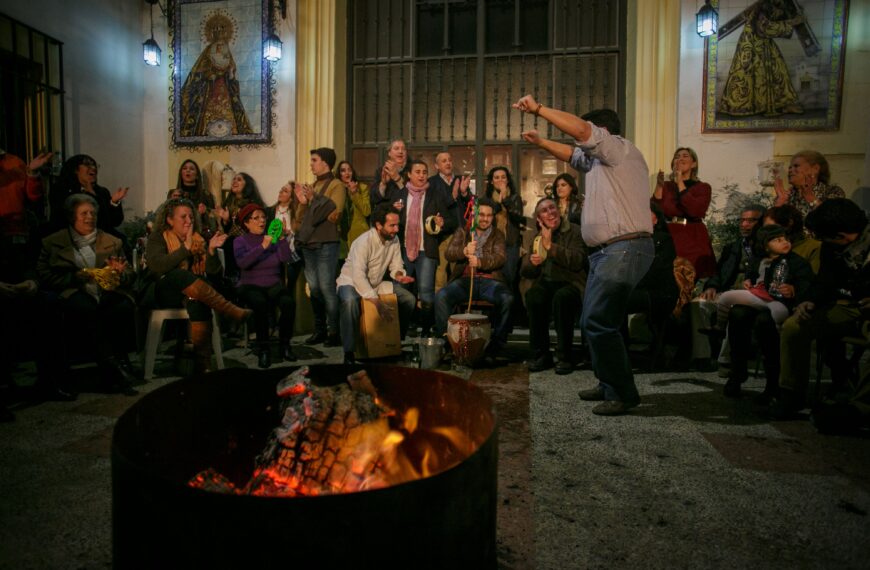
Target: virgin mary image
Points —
{"points": [[210, 101]]}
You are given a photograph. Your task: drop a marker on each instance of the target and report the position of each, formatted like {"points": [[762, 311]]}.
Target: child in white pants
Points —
{"points": [[773, 284]]}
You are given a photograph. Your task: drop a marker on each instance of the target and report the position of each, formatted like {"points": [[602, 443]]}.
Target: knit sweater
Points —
{"points": [[260, 267]]}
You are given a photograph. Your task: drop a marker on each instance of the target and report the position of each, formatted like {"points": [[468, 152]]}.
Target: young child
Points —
{"points": [[778, 282]]}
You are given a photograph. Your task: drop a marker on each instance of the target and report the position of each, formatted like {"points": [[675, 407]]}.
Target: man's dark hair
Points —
{"points": [[606, 118], [379, 216], [788, 217], [835, 216], [486, 202], [753, 208]]}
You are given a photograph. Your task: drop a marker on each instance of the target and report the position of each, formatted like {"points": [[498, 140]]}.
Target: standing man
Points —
{"points": [[484, 250], [455, 189], [390, 178], [371, 255], [321, 206], [556, 265], [616, 227]]}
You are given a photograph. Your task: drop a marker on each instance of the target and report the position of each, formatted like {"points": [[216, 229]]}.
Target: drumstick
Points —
{"points": [[471, 283]]}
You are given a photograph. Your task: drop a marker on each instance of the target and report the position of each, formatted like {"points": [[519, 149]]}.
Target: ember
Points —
{"points": [[339, 439]]}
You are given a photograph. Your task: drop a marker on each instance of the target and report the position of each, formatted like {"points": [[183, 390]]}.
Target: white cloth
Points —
{"points": [[86, 258], [367, 261]]}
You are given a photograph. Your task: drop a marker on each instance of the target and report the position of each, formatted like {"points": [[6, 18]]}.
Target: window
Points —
{"points": [[31, 83], [442, 74]]}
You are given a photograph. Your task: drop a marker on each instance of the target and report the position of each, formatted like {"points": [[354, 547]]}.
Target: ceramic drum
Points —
{"points": [[468, 335]]}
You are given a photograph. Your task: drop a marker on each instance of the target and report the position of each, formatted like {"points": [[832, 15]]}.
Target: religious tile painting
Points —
{"points": [[775, 65], [220, 82]]}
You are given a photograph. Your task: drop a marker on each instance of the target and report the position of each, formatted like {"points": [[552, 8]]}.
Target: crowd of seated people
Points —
{"points": [[403, 227]]}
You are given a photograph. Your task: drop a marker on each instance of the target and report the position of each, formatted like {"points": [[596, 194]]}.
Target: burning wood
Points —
{"points": [[333, 440]]}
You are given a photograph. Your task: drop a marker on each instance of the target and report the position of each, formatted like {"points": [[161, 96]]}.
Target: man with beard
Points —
{"points": [[371, 255]]}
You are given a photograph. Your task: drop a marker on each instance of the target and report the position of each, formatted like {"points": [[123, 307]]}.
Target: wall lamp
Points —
{"points": [[150, 50], [272, 45], [707, 20]]}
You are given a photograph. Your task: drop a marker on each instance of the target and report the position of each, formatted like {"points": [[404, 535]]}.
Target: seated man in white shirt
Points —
{"points": [[370, 257]]}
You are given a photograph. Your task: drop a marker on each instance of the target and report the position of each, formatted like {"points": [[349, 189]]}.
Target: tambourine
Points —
{"points": [[105, 277], [432, 228]]}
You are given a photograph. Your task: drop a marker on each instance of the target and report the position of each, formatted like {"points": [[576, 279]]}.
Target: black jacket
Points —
{"points": [[435, 203], [457, 206], [732, 262], [393, 191], [839, 279]]}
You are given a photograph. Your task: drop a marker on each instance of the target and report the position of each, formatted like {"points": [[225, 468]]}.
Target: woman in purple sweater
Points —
{"points": [[260, 287]]}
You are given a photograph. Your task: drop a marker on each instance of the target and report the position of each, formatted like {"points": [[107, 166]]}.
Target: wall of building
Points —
{"points": [[727, 158], [104, 81], [117, 108]]}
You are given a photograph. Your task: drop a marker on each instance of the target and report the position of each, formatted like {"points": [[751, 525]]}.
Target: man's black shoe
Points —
{"points": [[315, 338], [542, 362], [264, 359], [287, 353], [332, 339], [349, 359], [595, 394], [731, 389], [57, 395], [564, 367], [784, 408]]}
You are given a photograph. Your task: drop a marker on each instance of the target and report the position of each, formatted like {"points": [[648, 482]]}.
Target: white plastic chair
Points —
{"points": [[155, 333]]}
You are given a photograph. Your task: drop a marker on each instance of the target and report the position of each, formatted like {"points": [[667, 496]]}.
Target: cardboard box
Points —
{"points": [[377, 337]]}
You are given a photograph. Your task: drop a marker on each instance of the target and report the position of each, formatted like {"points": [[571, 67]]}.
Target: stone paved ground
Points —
{"points": [[688, 480]]}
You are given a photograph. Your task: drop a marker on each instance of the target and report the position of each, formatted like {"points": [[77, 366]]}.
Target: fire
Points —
{"points": [[343, 439]]}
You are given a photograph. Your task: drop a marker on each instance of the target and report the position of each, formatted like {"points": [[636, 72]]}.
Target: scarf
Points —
{"points": [[197, 251], [414, 220], [480, 240], [86, 258]]}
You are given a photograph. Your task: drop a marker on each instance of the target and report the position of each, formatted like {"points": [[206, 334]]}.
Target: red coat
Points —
{"points": [[685, 213]]}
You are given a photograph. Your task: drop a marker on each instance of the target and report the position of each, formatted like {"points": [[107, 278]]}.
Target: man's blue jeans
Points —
{"points": [[350, 311], [422, 270], [613, 274], [320, 273], [490, 290]]}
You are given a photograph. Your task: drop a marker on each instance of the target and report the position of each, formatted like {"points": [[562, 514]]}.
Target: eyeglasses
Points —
{"points": [[90, 162], [180, 202]]}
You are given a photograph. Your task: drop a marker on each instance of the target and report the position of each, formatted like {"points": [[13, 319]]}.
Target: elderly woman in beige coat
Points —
{"points": [[83, 270]]}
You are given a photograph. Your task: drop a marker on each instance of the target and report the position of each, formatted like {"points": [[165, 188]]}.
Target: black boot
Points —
{"points": [[427, 319], [332, 339], [287, 351], [264, 359], [316, 338]]}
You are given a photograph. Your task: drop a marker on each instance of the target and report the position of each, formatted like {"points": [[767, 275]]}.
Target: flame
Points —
{"points": [[365, 456]]}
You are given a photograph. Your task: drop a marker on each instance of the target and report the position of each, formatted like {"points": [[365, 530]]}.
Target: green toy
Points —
{"points": [[276, 230]]}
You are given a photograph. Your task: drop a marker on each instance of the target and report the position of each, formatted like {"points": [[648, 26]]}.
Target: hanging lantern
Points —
{"points": [[151, 52], [707, 20], [272, 47]]}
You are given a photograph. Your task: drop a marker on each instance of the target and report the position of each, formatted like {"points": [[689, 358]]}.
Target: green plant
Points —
{"points": [[136, 227]]}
